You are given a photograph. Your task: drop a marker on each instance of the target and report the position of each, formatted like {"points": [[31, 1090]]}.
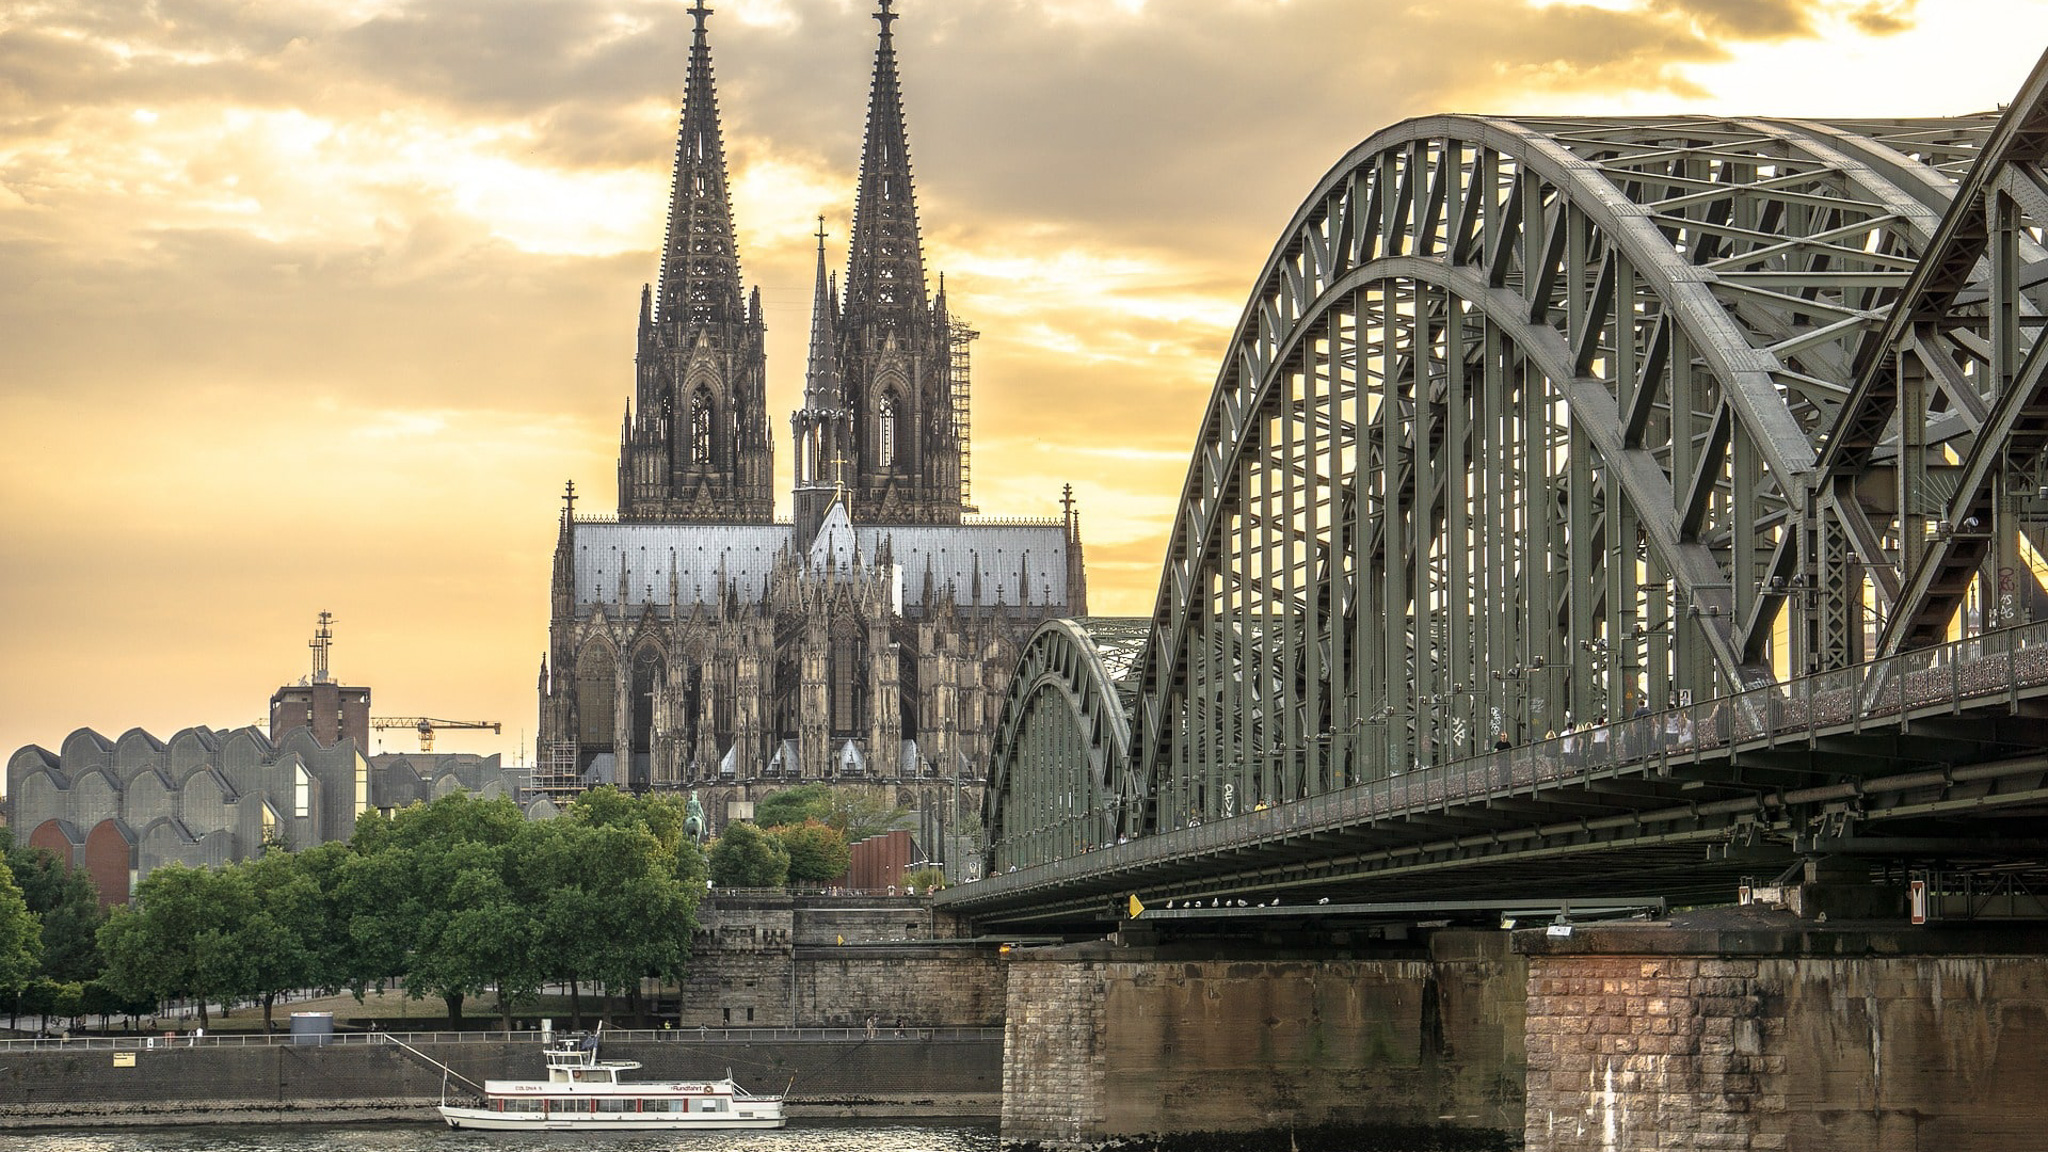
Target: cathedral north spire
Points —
{"points": [[900, 373]]}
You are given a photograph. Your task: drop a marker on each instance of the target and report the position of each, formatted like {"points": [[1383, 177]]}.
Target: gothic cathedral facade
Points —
{"points": [[695, 641]]}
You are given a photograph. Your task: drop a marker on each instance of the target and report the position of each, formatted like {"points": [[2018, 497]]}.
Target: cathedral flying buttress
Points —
{"points": [[697, 643]]}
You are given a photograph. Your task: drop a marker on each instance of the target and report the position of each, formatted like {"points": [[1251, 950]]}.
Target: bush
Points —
{"points": [[926, 879]]}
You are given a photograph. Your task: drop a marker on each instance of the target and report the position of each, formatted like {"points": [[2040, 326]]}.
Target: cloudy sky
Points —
{"points": [[315, 304]]}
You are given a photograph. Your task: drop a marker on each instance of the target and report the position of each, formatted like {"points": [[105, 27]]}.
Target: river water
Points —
{"points": [[800, 1136]]}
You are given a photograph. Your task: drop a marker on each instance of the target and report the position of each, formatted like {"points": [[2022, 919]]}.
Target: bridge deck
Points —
{"points": [[1879, 757]]}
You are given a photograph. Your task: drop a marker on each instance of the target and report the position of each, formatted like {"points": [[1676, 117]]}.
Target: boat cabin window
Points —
{"points": [[618, 1104], [562, 1104]]}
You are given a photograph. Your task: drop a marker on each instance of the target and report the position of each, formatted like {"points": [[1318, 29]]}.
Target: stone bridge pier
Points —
{"points": [[1105, 1041], [1717, 1033], [1731, 1029]]}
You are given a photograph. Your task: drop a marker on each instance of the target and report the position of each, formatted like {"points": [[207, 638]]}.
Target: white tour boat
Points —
{"points": [[583, 1093]]}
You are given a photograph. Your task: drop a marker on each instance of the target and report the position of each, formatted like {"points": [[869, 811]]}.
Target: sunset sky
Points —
{"points": [[315, 304]]}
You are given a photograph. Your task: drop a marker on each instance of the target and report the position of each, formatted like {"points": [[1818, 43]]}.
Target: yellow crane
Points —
{"points": [[426, 726]]}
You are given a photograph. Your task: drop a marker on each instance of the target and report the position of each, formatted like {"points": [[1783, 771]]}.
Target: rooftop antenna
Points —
{"points": [[323, 638]]}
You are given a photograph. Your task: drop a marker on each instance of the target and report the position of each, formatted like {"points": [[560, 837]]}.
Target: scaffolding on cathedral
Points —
{"points": [[554, 771], [961, 336]]}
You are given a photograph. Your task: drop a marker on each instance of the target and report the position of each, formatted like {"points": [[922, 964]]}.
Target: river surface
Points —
{"points": [[800, 1136]]}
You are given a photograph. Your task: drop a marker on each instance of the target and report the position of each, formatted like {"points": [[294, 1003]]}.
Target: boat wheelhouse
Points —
{"points": [[583, 1093]]}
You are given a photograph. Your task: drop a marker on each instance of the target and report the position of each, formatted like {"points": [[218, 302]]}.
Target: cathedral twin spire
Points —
{"points": [[877, 428]]}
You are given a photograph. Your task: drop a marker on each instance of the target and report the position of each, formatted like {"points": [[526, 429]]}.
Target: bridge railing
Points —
{"points": [[1987, 668]]}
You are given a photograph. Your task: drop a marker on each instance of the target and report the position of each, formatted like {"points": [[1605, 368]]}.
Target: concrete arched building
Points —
{"points": [[121, 808]]}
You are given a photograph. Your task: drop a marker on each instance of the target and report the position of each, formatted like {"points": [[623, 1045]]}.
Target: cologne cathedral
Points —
{"points": [[695, 642]]}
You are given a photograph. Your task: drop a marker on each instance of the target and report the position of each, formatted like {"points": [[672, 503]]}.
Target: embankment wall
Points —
{"points": [[780, 960], [73, 1083]]}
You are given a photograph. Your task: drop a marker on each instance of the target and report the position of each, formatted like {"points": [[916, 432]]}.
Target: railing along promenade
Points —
{"points": [[1984, 670], [138, 1043]]}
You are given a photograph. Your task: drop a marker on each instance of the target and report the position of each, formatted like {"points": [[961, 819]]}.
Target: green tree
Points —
{"points": [[431, 897], [614, 909], [325, 866], [282, 943], [692, 867], [38, 998], [746, 857], [175, 937], [605, 806], [101, 1000], [69, 1003], [794, 806], [21, 935], [817, 852], [661, 816], [65, 902]]}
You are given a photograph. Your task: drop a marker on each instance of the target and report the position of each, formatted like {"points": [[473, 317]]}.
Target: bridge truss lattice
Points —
{"points": [[1534, 421]]}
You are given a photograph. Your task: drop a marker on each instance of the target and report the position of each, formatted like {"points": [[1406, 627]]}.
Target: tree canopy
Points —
{"points": [[21, 934], [450, 898], [855, 813], [64, 903], [794, 806], [746, 857], [858, 814], [818, 854], [174, 938]]}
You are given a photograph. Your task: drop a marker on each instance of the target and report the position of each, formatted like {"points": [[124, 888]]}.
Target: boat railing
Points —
{"points": [[612, 1037]]}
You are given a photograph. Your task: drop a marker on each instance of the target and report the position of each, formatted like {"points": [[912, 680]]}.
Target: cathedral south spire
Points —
{"points": [[885, 271], [696, 445], [895, 350]]}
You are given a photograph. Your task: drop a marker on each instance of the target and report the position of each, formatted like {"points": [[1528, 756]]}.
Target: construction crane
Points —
{"points": [[426, 726]]}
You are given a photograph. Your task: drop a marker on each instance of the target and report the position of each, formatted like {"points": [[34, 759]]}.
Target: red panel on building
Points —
{"points": [[49, 836], [108, 858]]}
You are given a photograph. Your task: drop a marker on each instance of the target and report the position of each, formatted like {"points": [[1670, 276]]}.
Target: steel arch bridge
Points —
{"points": [[1531, 423]]}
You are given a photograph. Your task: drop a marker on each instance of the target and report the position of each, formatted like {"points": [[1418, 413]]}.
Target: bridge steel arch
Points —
{"points": [[1522, 427], [1533, 421], [1059, 782]]}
